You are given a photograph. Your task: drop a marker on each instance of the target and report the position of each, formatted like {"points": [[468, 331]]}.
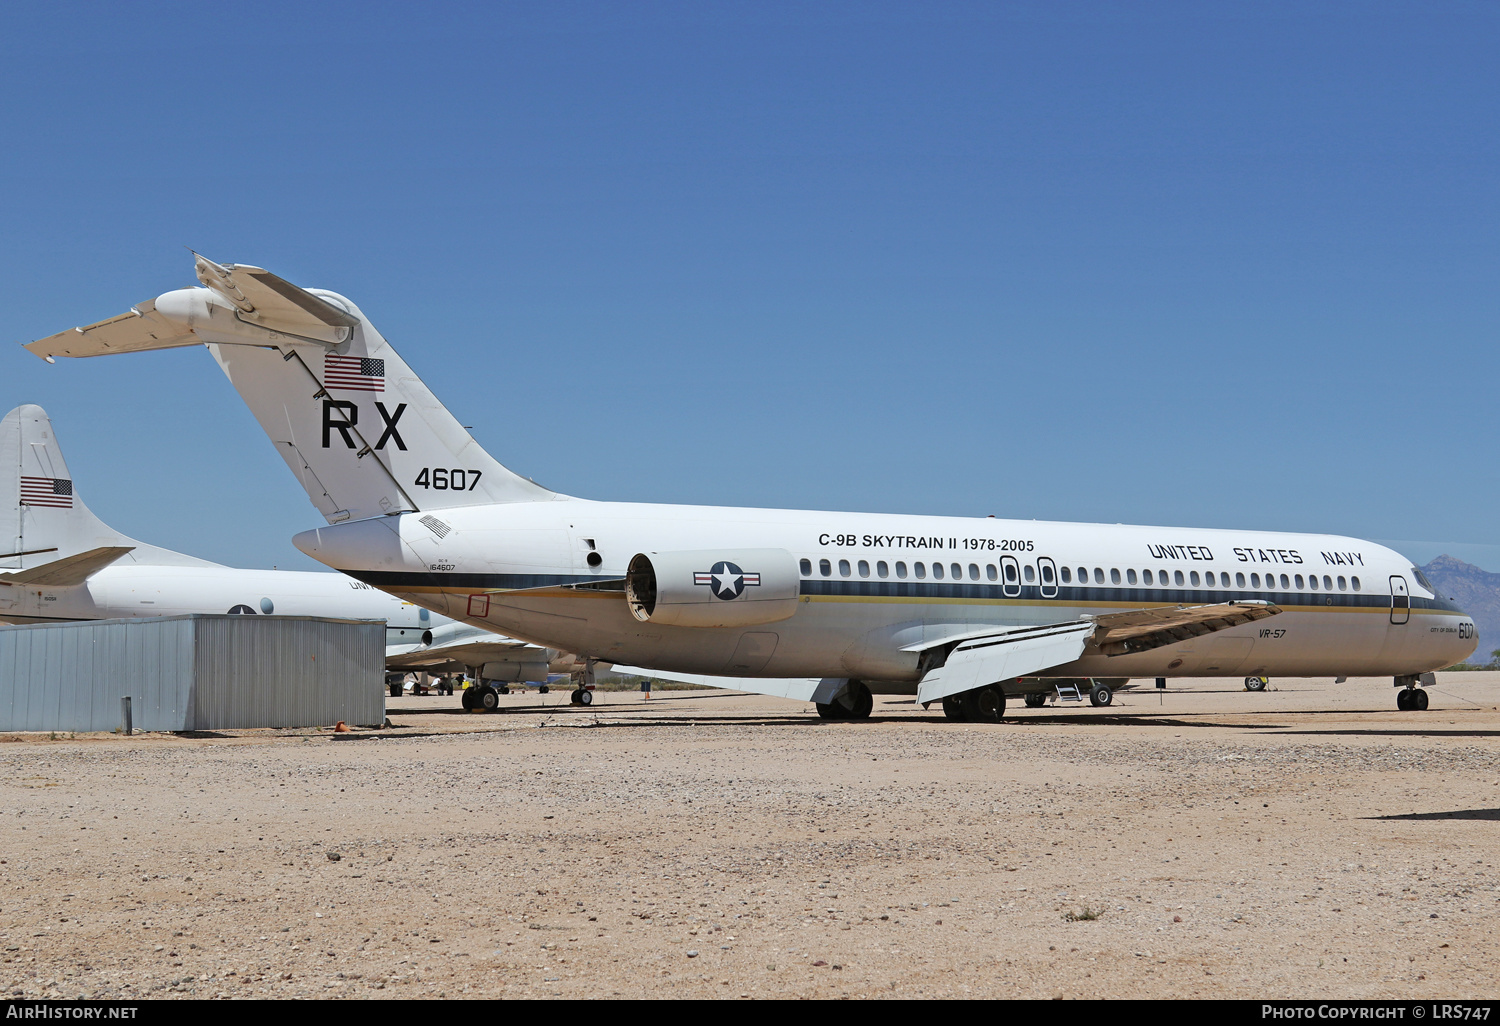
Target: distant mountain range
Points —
{"points": [[1477, 592]]}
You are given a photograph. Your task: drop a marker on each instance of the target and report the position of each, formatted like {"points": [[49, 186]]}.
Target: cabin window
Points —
{"points": [[1010, 573], [843, 568], [1255, 581], [864, 568], [1030, 573], [974, 571], [1098, 575], [825, 568], [901, 569], [1285, 582], [1343, 585], [1193, 577], [921, 569], [1046, 574], [991, 572], [1114, 575], [1129, 576], [1146, 576], [937, 571], [1327, 583], [1297, 580], [1178, 578], [957, 571], [1312, 581], [1083, 575], [1239, 580], [807, 568], [1067, 575], [1208, 579], [882, 569], [1354, 582]]}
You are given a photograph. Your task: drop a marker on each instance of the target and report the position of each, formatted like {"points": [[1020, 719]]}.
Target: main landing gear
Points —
{"points": [[481, 698], [583, 685], [853, 703], [982, 705], [1411, 697]]}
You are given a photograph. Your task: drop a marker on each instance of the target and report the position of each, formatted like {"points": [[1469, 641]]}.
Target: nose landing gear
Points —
{"points": [[1411, 700], [1411, 697]]}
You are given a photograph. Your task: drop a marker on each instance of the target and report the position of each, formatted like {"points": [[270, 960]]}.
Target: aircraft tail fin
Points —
{"points": [[357, 427], [43, 520]]}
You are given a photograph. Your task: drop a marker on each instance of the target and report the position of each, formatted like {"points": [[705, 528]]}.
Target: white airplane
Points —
{"points": [[58, 561], [827, 606]]}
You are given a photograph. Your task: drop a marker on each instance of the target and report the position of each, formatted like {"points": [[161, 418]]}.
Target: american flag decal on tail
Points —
{"points": [[354, 373], [47, 491]]}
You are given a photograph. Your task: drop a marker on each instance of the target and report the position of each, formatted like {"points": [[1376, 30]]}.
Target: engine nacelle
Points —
{"points": [[515, 671], [713, 587]]}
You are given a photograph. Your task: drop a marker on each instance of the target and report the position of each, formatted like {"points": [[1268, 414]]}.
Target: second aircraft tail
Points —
{"points": [[42, 517]]}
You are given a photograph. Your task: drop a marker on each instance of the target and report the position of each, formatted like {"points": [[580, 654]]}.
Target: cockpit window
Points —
{"points": [[1422, 580]]}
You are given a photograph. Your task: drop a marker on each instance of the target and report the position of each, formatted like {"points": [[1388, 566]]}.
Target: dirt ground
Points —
{"points": [[1309, 841]]}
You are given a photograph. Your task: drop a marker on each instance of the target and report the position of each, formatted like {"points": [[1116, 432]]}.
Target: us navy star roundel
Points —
{"points": [[726, 580]]}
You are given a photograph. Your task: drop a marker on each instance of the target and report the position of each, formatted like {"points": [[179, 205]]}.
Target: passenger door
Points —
{"points": [[1400, 600]]}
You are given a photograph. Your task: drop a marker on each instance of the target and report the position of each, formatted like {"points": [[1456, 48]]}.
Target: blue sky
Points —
{"points": [[1208, 264]]}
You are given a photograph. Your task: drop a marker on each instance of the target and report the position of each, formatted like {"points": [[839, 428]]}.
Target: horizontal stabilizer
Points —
{"points": [[141, 328], [1002, 655], [70, 570], [799, 688], [1140, 630]]}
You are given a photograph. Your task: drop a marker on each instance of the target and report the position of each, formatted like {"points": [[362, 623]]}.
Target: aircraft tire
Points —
{"points": [[467, 699], [1419, 700], [953, 708], [831, 711], [984, 705], [585, 697], [1404, 700], [1255, 683], [1101, 695], [543, 690], [488, 699], [1035, 699], [396, 689], [863, 701]]}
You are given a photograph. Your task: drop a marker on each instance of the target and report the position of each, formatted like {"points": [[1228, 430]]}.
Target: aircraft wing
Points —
{"points": [[1001, 655], [60, 573], [139, 328], [1140, 630], [466, 653], [802, 689]]}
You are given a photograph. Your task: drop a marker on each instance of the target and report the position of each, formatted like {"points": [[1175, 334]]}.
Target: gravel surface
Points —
{"points": [[1305, 841]]}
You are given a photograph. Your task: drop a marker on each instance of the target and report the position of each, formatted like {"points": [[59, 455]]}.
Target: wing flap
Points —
{"points": [[999, 656], [70, 570], [1140, 630]]}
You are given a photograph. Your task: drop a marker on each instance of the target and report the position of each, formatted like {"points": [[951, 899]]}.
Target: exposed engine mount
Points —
{"points": [[713, 587]]}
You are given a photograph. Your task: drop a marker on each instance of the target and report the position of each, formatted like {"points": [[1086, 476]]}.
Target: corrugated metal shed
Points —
{"points": [[194, 672]]}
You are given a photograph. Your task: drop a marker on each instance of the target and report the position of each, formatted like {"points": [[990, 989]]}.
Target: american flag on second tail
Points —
{"points": [[354, 373], [47, 491]]}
